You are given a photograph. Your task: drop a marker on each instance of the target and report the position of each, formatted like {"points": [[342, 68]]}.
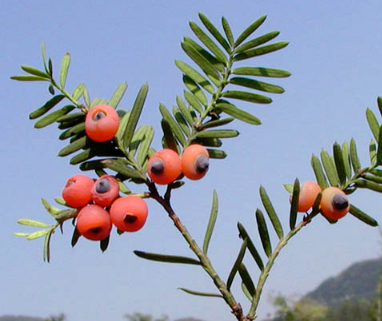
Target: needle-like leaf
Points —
{"points": [[213, 295], [249, 30], [64, 69], [227, 31], [339, 162], [260, 51], [251, 247], [239, 114], [356, 212], [194, 88], [261, 72], [211, 222], [354, 156], [247, 96], [166, 258], [135, 113], [175, 128], [195, 76], [47, 106], [117, 95], [237, 264], [257, 41], [293, 208], [346, 159], [373, 123], [208, 42], [255, 84], [247, 280], [263, 232], [35, 72], [214, 31], [330, 168], [271, 212], [217, 133]]}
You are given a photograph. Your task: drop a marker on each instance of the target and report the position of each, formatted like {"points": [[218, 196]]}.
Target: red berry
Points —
{"points": [[101, 123], [93, 222], [129, 213], [308, 194], [195, 161], [334, 203], [164, 167], [105, 190], [77, 191]]}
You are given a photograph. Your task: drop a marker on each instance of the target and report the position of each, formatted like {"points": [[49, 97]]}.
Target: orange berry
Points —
{"points": [[93, 222], [164, 166], [308, 194], [334, 203], [101, 123], [195, 161], [105, 190], [129, 213], [77, 191]]}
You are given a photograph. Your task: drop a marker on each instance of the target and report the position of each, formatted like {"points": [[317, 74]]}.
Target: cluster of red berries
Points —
{"points": [[98, 202], [100, 206], [334, 202], [165, 166]]}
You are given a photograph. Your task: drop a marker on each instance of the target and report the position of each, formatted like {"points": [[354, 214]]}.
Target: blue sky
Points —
{"points": [[335, 58]]}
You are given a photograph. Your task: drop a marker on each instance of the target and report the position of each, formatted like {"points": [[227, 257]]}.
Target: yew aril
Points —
{"points": [[105, 190], [77, 190], [164, 166], [101, 123], [93, 222], [129, 213], [308, 194], [195, 161], [334, 203]]}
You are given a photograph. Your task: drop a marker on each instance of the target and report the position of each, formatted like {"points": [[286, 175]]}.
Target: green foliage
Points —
{"points": [[206, 92], [209, 85], [303, 310], [309, 310], [214, 86], [361, 310], [344, 170]]}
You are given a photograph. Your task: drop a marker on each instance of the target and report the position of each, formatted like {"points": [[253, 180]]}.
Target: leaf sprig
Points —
{"points": [[47, 229], [214, 87]]}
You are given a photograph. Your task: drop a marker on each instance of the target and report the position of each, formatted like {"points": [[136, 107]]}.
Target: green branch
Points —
{"points": [[204, 260], [265, 273]]}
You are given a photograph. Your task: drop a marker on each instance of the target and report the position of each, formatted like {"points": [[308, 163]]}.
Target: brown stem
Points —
{"points": [[204, 260]]}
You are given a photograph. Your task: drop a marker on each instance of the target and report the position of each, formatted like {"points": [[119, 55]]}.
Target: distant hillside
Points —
{"points": [[358, 281]]}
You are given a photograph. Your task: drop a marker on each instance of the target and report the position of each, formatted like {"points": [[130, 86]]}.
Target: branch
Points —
{"points": [[204, 260]]}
